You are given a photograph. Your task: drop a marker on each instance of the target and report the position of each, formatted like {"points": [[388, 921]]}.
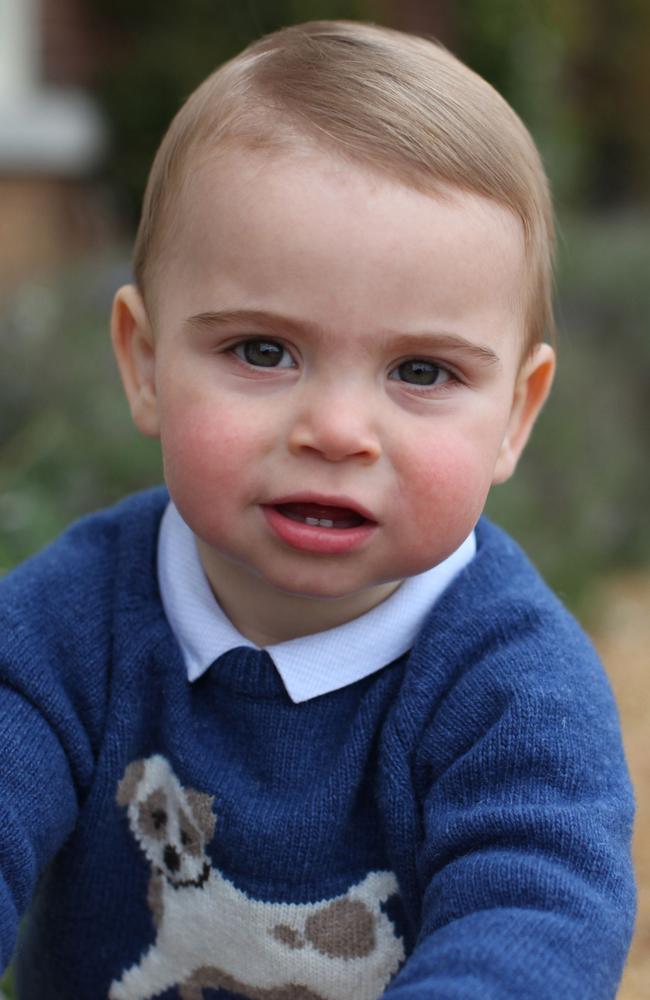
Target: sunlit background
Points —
{"points": [[87, 88]]}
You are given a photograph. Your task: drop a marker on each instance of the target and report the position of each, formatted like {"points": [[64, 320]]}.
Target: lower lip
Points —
{"points": [[313, 538]]}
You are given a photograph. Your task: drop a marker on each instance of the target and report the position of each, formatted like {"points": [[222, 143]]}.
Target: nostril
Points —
{"points": [[172, 858]]}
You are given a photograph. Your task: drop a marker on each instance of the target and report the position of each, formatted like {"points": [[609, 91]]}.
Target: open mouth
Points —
{"points": [[320, 525], [322, 515]]}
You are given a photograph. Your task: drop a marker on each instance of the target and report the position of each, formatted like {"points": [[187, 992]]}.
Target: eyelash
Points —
{"points": [[239, 351]]}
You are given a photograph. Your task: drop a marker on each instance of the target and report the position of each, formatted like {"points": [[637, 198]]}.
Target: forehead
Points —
{"points": [[311, 228]]}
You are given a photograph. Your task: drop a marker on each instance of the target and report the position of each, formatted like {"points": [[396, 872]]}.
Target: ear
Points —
{"points": [[201, 806], [531, 389], [135, 350], [127, 787]]}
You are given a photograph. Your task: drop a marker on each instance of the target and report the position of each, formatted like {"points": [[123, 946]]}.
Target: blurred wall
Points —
{"points": [[52, 137]]}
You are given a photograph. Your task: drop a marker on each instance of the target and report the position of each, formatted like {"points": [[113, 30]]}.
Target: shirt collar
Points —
{"points": [[310, 665]]}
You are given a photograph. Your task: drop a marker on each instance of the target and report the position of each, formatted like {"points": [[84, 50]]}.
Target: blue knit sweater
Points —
{"points": [[455, 826]]}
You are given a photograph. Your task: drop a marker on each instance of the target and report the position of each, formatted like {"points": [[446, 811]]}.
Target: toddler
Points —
{"points": [[304, 725]]}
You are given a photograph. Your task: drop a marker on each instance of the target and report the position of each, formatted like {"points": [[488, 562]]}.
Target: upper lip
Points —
{"points": [[324, 500]]}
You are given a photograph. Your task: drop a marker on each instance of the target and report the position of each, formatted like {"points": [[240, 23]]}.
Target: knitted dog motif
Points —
{"points": [[212, 935]]}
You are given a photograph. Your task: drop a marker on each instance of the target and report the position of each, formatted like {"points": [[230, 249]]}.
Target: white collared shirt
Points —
{"points": [[310, 665]]}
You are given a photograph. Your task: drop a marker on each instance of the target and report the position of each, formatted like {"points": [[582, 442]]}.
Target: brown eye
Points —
{"points": [[419, 372], [264, 354]]}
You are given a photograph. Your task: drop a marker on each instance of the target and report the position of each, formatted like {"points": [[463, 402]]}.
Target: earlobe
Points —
{"points": [[134, 346], [531, 390]]}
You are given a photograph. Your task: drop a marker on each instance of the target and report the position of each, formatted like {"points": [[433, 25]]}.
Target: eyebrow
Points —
{"points": [[255, 317], [281, 325]]}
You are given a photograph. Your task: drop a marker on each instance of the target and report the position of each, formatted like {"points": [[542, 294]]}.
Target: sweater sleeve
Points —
{"points": [[524, 867], [38, 805], [51, 698]]}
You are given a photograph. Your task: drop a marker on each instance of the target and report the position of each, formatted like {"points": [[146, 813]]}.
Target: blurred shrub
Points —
{"points": [[157, 53], [66, 441], [579, 75], [580, 497], [6, 985]]}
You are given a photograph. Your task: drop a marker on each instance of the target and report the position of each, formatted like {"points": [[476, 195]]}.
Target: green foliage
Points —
{"points": [[159, 53], [579, 75], [66, 440], [580, 497], [7, 986]]}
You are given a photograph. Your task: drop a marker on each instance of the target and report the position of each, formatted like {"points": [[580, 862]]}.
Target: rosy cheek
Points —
{"points": [[447, 487], [192, 430], [189, 446]]}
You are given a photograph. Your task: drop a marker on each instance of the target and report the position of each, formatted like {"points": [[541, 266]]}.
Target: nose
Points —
{"points": [[336, 426]]}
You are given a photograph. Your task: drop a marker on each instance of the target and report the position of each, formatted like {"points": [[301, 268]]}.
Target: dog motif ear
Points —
{"points": [[127, 786], [201, 806]]}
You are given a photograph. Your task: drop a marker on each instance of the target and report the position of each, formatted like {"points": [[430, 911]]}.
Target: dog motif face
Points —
{"points": [[171, 824]]}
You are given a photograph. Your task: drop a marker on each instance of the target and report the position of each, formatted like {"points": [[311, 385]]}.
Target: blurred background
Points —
{"points": [[87, 88]]}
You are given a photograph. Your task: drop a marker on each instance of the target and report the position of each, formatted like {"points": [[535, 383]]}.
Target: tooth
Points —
{"points": [[312, 520], [326, 523]]}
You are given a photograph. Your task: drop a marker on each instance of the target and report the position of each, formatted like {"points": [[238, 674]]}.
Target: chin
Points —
{"points": [[324, 586]]}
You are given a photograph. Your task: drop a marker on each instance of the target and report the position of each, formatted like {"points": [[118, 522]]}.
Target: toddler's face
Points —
{"points": [[334, 373]]}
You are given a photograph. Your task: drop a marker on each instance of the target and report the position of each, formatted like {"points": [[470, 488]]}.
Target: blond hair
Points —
{"points": [[394, 102]]}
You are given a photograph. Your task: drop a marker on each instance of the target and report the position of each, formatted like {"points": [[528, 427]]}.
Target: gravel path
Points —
{"points": [[622, 636]]}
